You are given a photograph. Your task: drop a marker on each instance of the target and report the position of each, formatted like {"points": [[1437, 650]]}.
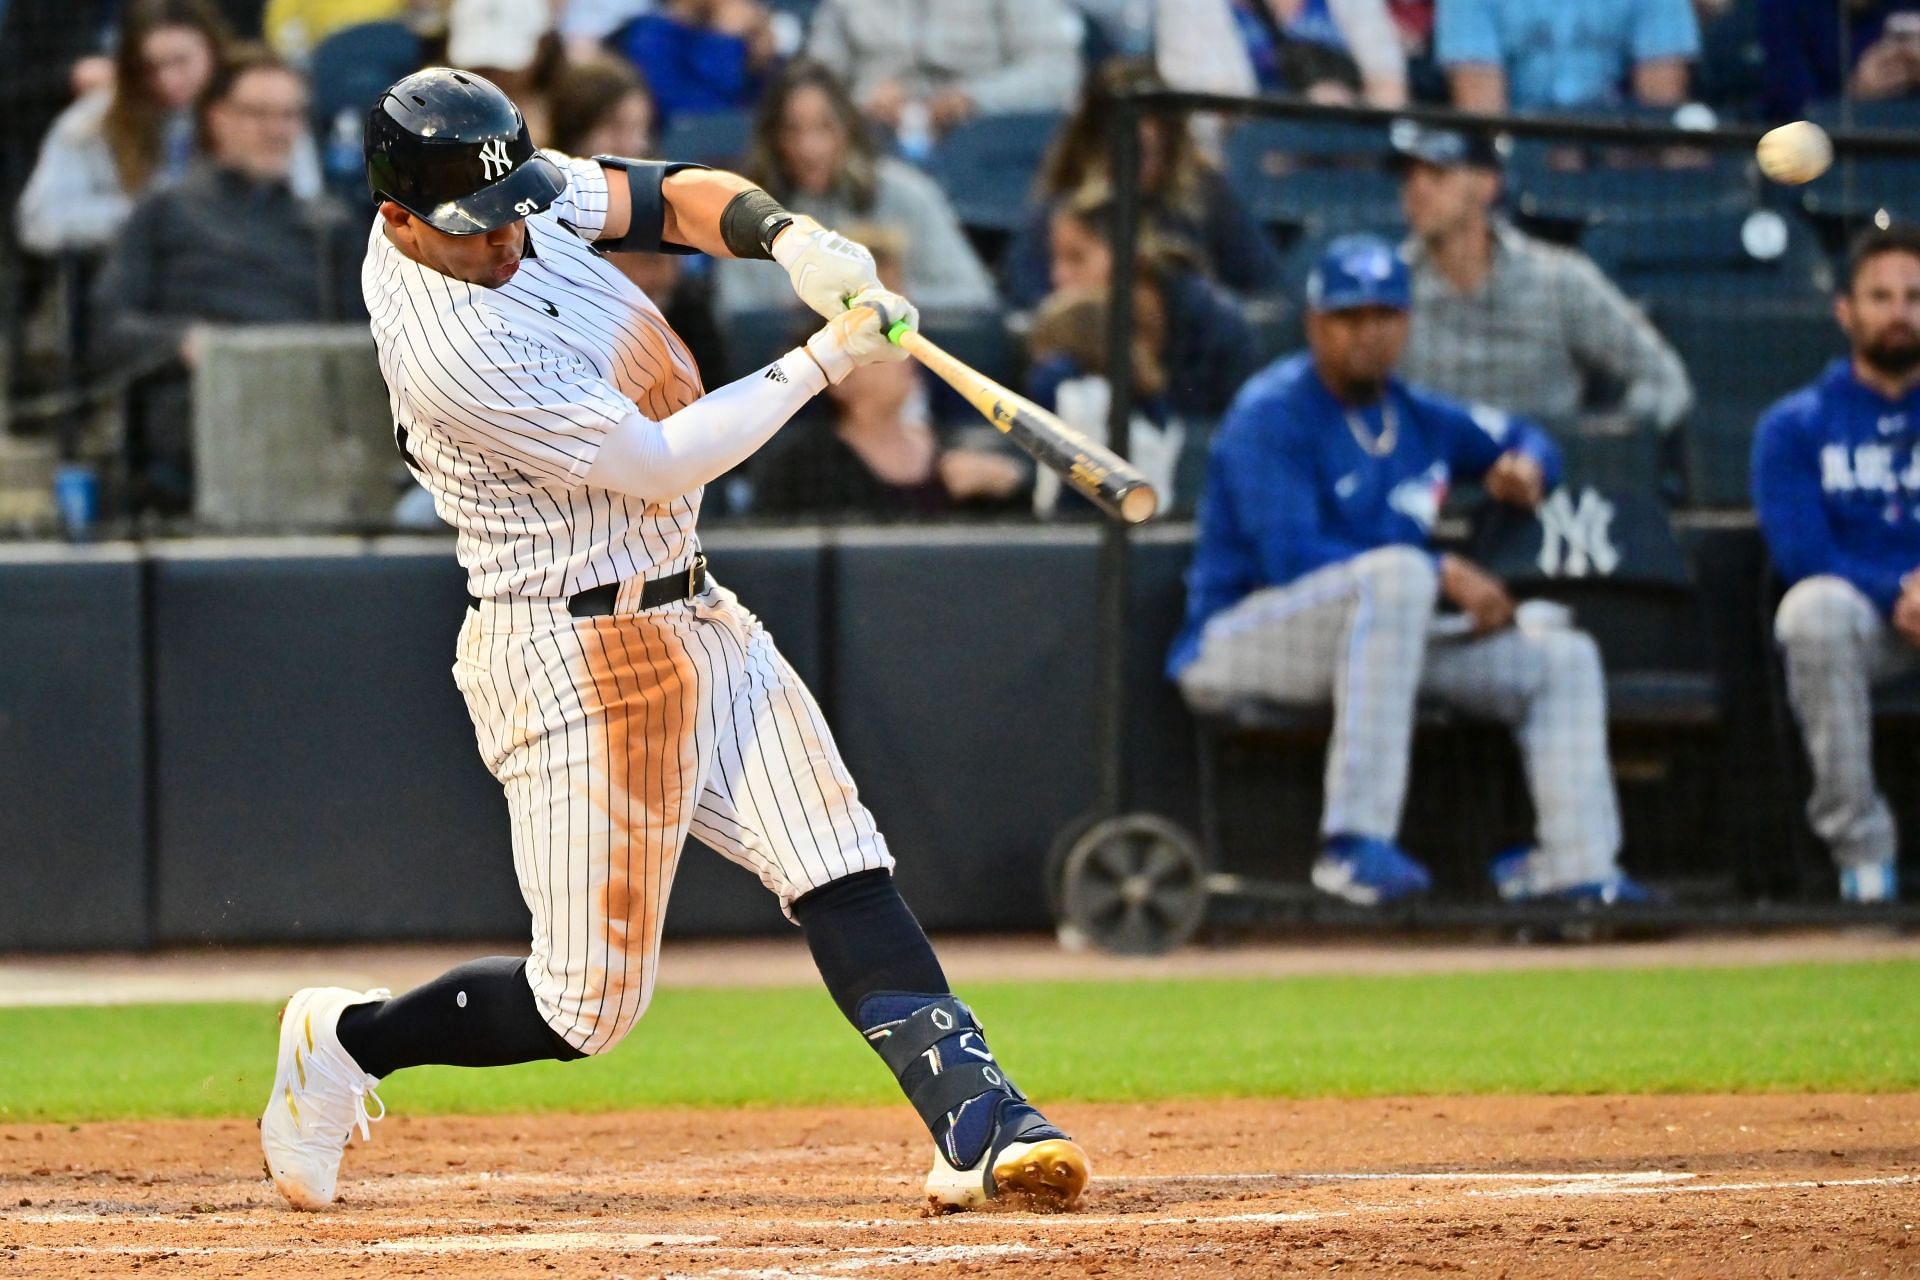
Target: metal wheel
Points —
{"points": [[1053, 876], [1133, 885]]}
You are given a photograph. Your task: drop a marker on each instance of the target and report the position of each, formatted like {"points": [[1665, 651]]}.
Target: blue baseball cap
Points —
{"points": [[1359, 271]]}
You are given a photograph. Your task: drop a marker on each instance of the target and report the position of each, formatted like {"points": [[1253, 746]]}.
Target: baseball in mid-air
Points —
{"points": [[1795, 153]]}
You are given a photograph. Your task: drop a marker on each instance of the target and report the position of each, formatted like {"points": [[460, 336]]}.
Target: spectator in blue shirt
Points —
{"points": [[1548, 55], [1836, 483], [701, 55], [1314, 581]]}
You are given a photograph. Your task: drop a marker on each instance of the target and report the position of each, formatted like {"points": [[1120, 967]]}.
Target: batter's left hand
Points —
{"points": [[1516, 479], [858, 335], [826, 268]]}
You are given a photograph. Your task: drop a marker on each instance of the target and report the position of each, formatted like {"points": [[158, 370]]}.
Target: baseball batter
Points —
{"points": [[622, 698]]}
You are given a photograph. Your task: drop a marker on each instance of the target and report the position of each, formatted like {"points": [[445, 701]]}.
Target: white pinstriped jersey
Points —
{"points": [[501, 398]]}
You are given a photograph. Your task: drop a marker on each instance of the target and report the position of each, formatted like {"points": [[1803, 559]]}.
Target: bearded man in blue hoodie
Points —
{"points": [[1836, 482], [1314, 581]]}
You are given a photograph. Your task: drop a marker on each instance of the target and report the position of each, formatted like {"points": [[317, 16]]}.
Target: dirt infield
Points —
{"points": [[1693, 1186]]}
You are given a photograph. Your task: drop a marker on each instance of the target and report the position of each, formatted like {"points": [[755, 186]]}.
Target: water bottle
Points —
{"points": [[346, 168], [914, 137], [76, 496]]}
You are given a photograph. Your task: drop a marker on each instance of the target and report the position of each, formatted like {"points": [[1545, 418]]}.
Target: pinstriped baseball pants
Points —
{"points": [[1837, 647], [1356, 634], [614, 738]]}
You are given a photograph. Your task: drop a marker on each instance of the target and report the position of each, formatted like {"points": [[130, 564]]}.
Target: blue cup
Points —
{"points": [[76, 495]]}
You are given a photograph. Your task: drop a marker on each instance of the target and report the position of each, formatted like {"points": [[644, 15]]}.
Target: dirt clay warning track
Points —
{"points": [[1696, 1186]]}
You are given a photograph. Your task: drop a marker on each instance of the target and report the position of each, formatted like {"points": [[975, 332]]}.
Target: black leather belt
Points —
{"points": [[597, 602]]}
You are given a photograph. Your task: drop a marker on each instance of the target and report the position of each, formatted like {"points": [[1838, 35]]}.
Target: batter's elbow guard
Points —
{"points": [[648, 223]]}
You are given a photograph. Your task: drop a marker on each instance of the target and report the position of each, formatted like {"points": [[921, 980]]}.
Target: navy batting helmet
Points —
{"points": [[450, 148]]}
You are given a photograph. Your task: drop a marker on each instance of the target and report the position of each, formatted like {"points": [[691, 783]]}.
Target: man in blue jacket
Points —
{"points": [[1313, 581], [1836, 481]]}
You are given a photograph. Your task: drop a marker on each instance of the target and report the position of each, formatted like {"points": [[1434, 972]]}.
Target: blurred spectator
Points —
{"points": [[1500, 318], [110, 145], [1323, 50], [1836, 484], [701, 55], [1191, 348], [1534, 55], [584, 25], [294, 28], [871, 446], [1816, 48], [601, 107], [1184, 199], [936, 63], [1315, 581], [512, 43], [1209, 349], [812, 152], [231, 244], [1069, 375]]}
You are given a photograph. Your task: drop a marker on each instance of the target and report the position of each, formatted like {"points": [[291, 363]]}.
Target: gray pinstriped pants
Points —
{"points": [[1837, 647], [1358, 634]]}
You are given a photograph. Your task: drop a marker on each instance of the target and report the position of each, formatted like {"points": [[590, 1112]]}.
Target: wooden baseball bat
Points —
{"points": [[1109, 481]]}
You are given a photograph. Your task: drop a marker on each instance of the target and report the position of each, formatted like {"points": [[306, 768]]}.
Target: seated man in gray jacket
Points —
{"points": [[231, 244], [914, 62]]}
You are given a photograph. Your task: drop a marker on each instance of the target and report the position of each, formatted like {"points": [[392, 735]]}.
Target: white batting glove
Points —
{"points": [[826, 268], [858, 335]]}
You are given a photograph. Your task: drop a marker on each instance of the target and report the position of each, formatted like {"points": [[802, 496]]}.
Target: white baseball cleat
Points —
{"points": [[1028, 1160], [319, 1097]]}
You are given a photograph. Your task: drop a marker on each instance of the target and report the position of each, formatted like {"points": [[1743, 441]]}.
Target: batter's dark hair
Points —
{"points": [[1899, 237]]}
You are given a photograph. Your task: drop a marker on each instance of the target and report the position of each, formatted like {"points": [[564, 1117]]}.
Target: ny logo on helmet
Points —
{"points": [[493, 159]]}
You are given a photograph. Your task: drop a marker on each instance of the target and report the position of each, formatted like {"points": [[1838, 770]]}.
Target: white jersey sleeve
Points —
{"points": [[583, 205], [544, 410]]}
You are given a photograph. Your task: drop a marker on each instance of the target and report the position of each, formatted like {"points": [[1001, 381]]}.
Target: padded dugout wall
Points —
{"points": [[960, 695], [316, 773], [73, 846]]}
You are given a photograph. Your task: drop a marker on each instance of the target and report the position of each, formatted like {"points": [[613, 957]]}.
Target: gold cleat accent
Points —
{"points": [[1051, 1173]]}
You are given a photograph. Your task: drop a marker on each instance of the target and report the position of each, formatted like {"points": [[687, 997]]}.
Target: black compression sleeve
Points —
{"points": [[750, 222], [864, 939], [481, 1014]]}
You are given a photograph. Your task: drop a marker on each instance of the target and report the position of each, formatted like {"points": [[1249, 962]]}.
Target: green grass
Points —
{"points": [[1820, 1027]]}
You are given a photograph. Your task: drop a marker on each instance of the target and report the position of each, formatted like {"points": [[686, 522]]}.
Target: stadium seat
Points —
{"points": [[707, 137], [1301, 174], [1539, 189], [1889, 115], [977, 336], [757, 336], [352, 66], [1857, 187], [1742, 358], [987, 166], [1719, 255]]}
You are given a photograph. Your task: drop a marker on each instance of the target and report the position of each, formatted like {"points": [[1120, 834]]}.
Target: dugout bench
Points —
{"points": [[1139, 883]]}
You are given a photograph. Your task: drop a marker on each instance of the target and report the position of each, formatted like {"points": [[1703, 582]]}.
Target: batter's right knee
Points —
{"points": [[1398, 578], [1823, 611], [593, 1014]]}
